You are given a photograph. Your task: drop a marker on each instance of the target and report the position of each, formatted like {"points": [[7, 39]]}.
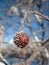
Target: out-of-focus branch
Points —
{"points": [[33, 56], [26, 17], [34, 12], [38, 13], [3, 59], [23, 22], [21, 53]]}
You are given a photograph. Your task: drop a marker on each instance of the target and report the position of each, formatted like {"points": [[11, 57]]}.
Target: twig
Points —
{"points": [[33, 56], [38, 13], [32, 12], [2, 58]]}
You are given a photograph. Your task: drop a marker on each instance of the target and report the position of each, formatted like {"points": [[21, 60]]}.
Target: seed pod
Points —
{"points": [[21, 39]]}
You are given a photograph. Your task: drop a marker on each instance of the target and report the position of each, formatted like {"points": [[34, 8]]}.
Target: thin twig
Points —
{"points": [[38, 13], [33, 56]]}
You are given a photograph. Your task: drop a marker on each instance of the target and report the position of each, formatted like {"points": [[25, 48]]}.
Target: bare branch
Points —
{"points": [[38, 13], [33, 56]]}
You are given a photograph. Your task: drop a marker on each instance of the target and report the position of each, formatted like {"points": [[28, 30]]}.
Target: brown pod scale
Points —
{"points": [[21, 39]]}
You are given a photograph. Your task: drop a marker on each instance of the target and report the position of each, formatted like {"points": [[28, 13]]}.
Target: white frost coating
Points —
{"points": [[11, 41], [14, 10], [46, 53], [38, 18], [1, 33], [1, 63], [3, 59]]}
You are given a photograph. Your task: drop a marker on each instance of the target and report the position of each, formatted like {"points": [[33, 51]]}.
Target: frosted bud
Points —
{"points": [[14, 10]]}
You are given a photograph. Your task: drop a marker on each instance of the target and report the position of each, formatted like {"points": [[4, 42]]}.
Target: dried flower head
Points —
{"points": [[21, 39]]}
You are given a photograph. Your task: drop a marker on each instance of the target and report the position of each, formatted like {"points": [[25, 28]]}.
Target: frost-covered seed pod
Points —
{"points": [[21, 39]]}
